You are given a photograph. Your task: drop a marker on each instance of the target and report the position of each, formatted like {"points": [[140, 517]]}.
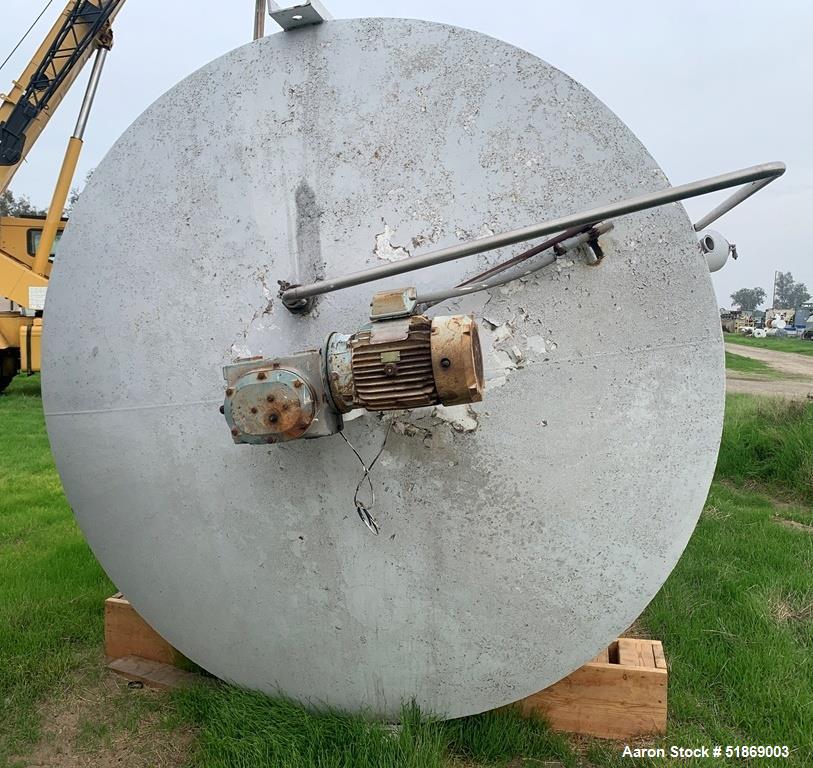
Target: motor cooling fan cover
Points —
{"points": [[519, 535]]}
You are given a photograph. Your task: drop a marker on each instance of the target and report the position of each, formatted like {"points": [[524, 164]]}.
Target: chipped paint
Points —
{"points": [[504, 331], [504, 361], [465, 234], [385, 250], [426, 238], [409, 429], [239, 351], [463, 418], [517, 356]]}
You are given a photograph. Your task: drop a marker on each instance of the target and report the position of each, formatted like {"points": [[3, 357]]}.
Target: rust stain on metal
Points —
{"points": [[412, 362], [380, 385], [457, 360], [285, 408], [399, 302]]}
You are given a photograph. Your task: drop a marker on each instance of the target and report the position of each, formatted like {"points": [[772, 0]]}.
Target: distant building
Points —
{"points": [[735, 320]]}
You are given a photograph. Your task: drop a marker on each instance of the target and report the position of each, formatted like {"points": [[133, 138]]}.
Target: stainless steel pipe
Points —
{"points": [[765, 172]]}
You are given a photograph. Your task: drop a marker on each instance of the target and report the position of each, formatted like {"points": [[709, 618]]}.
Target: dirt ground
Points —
{"points": [[799, 369], [786, 362], [100, 722]]}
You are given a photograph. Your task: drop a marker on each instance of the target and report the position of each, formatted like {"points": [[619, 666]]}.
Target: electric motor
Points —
{"points": [[408, 363]]}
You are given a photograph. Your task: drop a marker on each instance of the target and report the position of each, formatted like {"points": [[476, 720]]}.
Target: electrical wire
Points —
{"points": [[28, 32], [364, 510]]}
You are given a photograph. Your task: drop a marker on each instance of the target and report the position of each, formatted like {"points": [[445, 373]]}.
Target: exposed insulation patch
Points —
{"points": [[385, 250], [463, 418]]}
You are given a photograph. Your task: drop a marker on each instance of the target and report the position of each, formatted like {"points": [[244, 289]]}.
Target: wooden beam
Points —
{"points": [[127, 634], [609, 700], [153, 674]]}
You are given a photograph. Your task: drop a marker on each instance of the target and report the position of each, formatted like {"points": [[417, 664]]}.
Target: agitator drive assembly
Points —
{"points": [[544, 424]]}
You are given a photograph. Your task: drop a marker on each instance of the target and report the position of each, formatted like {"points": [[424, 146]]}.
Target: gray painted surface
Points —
{"points": [[516, 541]]}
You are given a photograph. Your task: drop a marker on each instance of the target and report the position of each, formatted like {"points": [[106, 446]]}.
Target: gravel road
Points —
{"points": [[799, 367]]}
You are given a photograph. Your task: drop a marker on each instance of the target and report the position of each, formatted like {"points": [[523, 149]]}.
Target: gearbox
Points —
{"points": [[398, 361]]}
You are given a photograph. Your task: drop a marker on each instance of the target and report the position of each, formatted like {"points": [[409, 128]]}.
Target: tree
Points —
{"points": [[789, 293], [20, 205], [76, 191], [748, 299], [17, 206]]}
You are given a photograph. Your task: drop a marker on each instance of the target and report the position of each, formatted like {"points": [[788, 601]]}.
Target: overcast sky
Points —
{"points": [[707, 86]]}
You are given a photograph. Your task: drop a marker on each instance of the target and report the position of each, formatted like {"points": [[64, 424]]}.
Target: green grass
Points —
{"points": [[748, 365], [768, 443], [803, 515], [241, 728], [738, 674], [735, 617], [795, 344], [51, 587]]}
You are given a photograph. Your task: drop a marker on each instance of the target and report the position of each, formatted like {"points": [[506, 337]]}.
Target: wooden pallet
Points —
{"points": [[127, 634], [136, 651], [620, 694], [154, 674]]}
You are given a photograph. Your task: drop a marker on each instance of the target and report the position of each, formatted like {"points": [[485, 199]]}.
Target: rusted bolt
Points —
{"points": [[254, 409], [229, 392], [261, 375], [390, 369], [235, 431], [223, 409], [270, 398], [297, 384], [445, 362]]}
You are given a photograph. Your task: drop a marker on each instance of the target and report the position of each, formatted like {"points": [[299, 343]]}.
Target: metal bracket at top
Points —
{"points": [[303, 15], [388, 305]]}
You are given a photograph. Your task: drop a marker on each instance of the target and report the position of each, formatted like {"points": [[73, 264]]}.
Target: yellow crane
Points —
{"points": [[27, 242], [82, 30]]}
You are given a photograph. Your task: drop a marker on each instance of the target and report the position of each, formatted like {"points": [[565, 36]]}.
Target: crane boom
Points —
{"points": [[82, 27]]}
